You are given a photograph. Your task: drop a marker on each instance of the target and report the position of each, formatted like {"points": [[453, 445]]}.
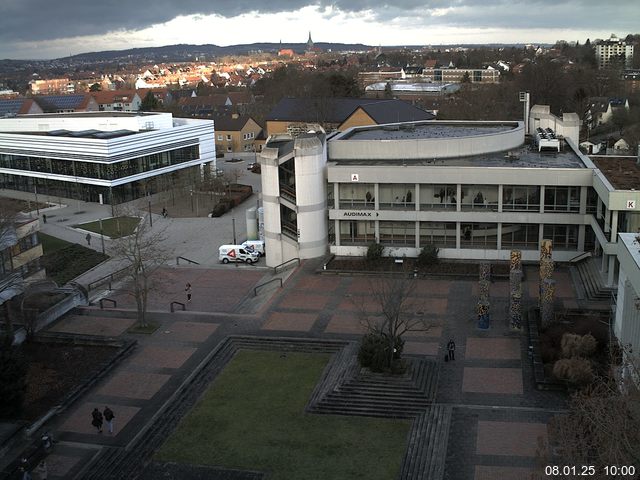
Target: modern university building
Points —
{"points": [[475, 190], [111, 157]]}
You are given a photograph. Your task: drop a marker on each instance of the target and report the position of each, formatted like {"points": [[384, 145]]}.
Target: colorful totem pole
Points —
{"points": [[482, 308], [515, 290]]}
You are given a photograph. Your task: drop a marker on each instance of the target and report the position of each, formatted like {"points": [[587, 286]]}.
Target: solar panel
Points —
{"points": [[10, 106]]}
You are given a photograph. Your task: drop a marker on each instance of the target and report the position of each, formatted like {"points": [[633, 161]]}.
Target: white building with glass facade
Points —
{"points": [[475, 190], [108, 156]]}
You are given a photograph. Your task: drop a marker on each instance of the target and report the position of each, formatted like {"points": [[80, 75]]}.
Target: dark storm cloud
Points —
{"points": [[36, 20]]}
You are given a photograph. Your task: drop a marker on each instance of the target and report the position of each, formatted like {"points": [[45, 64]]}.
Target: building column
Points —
{"points": [[612, 271], [376, 203], [336, 196], [416, 196], [458, 197], [499, 239], [581, 237], [336, 230], [417, 235], [614, 225], [458, 231], [376, 226], [540, 234], [500, 192], [603, 265], [583, 200], [541, 198]]}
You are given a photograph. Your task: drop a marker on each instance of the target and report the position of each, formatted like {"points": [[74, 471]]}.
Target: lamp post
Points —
{"points": [[101, 236], [150, 217], [233, 224]]}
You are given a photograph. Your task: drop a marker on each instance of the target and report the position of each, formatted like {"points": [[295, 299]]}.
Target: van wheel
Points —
{"points": [[249, 261], [225, 260]]}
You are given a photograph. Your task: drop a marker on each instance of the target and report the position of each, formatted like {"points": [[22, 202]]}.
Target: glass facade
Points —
{"points": [[562, 199], [101, 170], [564, 237], [398, 234], [520, 198], [438, 197], [438, 234], [520, 235], [479, 235], [479, 197], [357, 196], [397, 196], [357, 232]]}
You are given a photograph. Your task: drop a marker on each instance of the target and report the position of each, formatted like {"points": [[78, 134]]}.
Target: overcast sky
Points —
{"points": [[49, 29]]}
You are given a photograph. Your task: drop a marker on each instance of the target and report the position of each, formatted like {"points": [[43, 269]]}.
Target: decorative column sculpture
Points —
{"points": [[482, 308], [515, 290], [546, 265], [546, 302]]}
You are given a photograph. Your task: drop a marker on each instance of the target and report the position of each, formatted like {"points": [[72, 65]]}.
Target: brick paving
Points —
{"points": [[60, 465], [492, 380], [491, 368]]}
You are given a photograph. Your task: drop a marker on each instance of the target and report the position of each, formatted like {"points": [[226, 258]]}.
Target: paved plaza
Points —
{"points": [[498, 415]]}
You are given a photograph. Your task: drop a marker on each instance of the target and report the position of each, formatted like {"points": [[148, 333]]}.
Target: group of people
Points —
{"points": [[98, 418]]}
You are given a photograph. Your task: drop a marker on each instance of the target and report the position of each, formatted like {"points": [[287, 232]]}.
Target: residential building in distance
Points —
{"points": [[108, 157], [601, 109], [614, 49], [236, 133], [117, 100], [52, 86], [299, 115], [82, 102], [10, 107]]}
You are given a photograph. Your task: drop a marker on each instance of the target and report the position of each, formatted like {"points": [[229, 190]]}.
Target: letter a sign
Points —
{"points": [[355, 177]]}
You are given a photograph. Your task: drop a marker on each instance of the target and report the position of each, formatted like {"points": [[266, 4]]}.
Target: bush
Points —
{"points": [[428, 256], [574, 370], [578, 345], [374, 253], [374, 353]]}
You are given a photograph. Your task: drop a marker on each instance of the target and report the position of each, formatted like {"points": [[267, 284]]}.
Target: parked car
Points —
{"points": [[251, 165]]}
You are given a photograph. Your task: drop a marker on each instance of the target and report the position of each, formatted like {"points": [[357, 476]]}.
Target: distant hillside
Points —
{"points": [[184, 52]]}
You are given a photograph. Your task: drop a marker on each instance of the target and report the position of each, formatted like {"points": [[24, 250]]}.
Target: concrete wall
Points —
{"points": [[568, 126]]}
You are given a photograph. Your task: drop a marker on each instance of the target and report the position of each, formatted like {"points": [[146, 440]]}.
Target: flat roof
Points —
{"points": [[526, 156], [92, 133], [623, 173], [90, 114], [437, 129]]}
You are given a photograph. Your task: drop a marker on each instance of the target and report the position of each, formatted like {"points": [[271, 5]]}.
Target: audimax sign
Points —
{"points": [[357, 213]]}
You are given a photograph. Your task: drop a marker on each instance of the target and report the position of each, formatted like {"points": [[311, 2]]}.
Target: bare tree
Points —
{"points": [[144, 253], [602, 427], [399, 310]]}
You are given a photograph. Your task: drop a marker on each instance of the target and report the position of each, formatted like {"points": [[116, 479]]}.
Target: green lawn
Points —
{"points": [[51, 244], [253, 418], [64, 261], [115, 227]]}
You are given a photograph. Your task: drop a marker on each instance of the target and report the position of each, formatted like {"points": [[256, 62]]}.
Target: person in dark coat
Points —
{"points": [[451, 348], [97, 419], [109, 416]]}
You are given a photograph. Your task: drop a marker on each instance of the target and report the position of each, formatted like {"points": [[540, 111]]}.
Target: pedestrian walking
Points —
{"points": [[88, 239], [109, 416], [46, 441], [188, 290], [97, 419], [165, 214], [451, 348]]}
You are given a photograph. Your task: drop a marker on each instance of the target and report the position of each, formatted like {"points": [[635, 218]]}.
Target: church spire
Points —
{"points": [[309, 43]]}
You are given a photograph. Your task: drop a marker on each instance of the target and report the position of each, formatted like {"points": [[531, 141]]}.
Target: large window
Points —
{"points": [[398, 234], [516, 235], [438, 197], [564, 237], [397, 196], [357, 195], [518, 198], [479, 197], [479, 235], [438, 234], [357, 232], [562, 199]]}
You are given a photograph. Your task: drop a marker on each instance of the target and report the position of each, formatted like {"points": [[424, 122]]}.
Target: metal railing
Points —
{"points": [[186, 259], [255, 290], [275, 269], [109, 279], [114, 304], [172, 307], [579, 257]]}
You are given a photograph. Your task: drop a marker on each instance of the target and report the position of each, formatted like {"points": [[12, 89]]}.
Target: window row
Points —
{"points": [[444, 196], [104, 171], [444, 234]]}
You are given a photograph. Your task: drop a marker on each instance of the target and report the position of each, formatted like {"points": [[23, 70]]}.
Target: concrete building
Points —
{"points": [[475, 190], [117, 100], [614, 49], [109, 157], [236, 133]]}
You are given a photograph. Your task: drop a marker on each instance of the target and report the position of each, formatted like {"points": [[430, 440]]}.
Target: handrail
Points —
{"points": [[177, 303], [183, 258], [255, 290], [110, 277], [275, 269], [114, 303], [579, 257]]}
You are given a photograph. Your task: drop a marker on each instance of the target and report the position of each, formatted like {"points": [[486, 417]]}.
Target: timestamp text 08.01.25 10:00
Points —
{"points": [[614, 471]]}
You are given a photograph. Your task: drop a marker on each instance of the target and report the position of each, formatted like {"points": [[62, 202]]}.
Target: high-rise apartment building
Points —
{"points": [[608, 51]]}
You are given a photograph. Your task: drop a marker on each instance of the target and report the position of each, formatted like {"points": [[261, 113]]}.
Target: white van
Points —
{"points": [[254, 246], [233, 253]]}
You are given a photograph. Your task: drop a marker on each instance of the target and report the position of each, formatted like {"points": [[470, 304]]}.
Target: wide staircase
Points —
{"points": [[592, 281]]}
